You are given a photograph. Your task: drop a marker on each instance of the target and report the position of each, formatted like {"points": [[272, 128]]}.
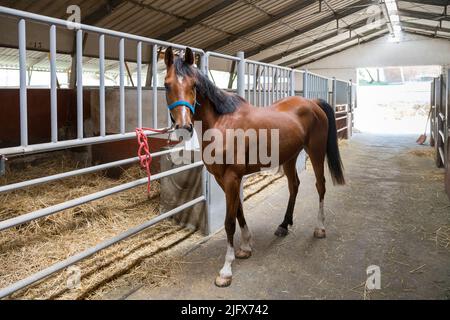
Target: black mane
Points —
{"points": [[222, 101]]}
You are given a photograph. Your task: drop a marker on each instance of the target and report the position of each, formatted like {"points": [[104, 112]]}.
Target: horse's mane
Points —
{"points": [[223, 102]]}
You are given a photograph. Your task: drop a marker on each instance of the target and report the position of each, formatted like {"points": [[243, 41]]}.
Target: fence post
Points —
{"points": [[293, 82], [333, 97], [155, 86], [432, 106], [23, 83], [241, 74], [204, 64], [350, 109], [446, 126], [305, 84]]}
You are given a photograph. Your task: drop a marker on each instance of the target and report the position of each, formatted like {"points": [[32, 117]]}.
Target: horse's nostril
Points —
{"points": [[177, 126], [188, 127]]}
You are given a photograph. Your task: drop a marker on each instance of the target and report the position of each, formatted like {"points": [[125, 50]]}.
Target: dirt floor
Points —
{"points": [[392, 213]]}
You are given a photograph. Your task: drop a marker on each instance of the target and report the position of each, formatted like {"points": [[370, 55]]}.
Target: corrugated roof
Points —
{"points": [[278, 29]]}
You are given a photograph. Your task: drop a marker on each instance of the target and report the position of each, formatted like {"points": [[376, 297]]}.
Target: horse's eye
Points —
{"points": [[166, 86]]}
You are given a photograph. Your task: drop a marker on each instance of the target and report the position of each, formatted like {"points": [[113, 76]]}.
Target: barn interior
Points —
{"points": [[384, 67]]}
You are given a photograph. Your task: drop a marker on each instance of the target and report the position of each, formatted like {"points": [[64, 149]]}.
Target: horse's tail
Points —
{"points": [[333, 155]]}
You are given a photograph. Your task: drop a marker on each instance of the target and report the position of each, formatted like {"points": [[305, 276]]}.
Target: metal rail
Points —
{"points": [[81, 29], [73, 173], [89, 252]]}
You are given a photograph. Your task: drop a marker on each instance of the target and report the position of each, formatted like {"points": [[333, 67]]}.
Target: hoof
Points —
{"points": [[222, 282], [319, 233], [281, 232], [243, 254]]}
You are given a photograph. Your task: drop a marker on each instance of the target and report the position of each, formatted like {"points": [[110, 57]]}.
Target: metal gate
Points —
{"points": [[439, 128]]}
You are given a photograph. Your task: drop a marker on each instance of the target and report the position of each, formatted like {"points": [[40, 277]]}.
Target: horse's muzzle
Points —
{"points": [[188, 127]]}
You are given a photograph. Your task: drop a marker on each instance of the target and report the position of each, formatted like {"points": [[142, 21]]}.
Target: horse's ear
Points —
{"points": [[168, 57], [189, 56]]}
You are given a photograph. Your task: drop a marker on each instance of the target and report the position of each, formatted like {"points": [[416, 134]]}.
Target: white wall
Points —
{"points": [[413, 50]]}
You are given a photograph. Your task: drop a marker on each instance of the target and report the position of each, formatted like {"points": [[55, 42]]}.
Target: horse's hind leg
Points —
{"points": [[290, 171], [245, 249]]}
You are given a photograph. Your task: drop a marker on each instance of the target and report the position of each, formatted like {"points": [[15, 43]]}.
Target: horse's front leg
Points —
{"points": [[231, 185]]}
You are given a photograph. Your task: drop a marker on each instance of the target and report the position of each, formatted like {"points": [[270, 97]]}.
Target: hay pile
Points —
{"points": [[423, 152], [26, 249]]}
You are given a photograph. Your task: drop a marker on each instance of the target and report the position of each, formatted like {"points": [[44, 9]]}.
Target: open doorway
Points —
{"points": [[394, 100]]}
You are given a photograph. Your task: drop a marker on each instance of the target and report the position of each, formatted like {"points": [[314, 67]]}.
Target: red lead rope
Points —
{"points": [[145, 158]]}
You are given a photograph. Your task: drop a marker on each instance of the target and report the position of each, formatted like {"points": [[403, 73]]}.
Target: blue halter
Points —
{"points": [[185, 104]]}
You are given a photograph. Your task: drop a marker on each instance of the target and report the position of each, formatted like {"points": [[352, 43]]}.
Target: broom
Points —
{"points": [[423, 137]]}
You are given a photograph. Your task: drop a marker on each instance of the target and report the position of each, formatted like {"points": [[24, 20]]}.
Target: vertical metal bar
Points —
{"points": [[205, 62], [447, 119], [314, 86], [254, 84], [277, 84], [79, 84], [23, 84], [264, 86], [139, 84], [305, 84], [333, 97], [270, 84], [122, 84], [53, 88], [155, 86], [273, 85], [292, 82], [248, 82], [241, 74], [259, 86], [101, 56]]}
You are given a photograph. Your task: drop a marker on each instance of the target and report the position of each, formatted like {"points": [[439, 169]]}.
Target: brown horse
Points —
{"points": [[301, 124]]}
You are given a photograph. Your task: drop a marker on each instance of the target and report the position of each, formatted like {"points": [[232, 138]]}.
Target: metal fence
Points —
{"points": [[262, 84], [315, 86], [439, 128]]}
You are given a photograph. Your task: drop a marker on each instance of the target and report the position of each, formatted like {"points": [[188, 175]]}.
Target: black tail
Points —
{"points": [[333, 156]]}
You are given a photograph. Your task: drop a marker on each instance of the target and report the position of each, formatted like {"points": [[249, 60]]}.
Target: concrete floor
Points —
{"points": [[388, 214]]}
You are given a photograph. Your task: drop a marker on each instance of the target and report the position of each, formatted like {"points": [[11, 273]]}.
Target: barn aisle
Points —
{"points": [[392, 213]]}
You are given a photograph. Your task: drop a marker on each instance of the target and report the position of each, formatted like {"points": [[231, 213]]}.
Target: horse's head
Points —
{"points": [[180, 89]]}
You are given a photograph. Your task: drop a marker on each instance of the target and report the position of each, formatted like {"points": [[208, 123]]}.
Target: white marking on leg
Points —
{"points": [[246, 239], [321, 217], [225, 272]]}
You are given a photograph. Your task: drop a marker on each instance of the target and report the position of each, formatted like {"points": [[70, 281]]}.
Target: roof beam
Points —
{"points": [[343, 49], [333, 34], [422, 15], [196, 20], [103, 11], [297, 6], [433, 36], [442, 3], [358, 6], [329, 47], [420, 26]]}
